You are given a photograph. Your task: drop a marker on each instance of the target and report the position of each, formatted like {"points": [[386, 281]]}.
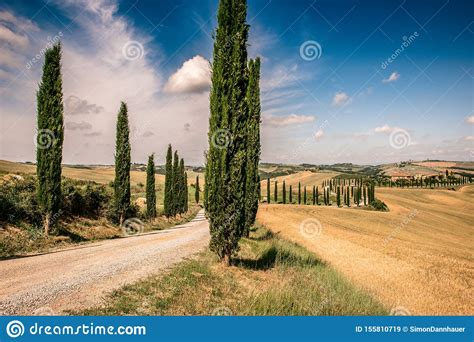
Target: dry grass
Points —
{"points": [[419, 255]]}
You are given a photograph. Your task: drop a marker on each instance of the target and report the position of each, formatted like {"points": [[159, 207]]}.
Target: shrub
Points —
{"points": [[379, 205]]}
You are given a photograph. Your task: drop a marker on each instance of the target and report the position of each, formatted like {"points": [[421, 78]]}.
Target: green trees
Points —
{"points": [[168, 200], [150, 188], [185, 207], [176, 185], [317, 195], [268, 190], [122, 165], [183, 189], [299, 193], [338, 196], [50, 135], [304, 195], [226, 163], [314, 194], [196, 189], [252, 186], [275, 194], [284, 193], [290, 199]]}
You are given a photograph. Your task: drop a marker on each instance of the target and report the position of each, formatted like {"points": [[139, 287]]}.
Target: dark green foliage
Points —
{"points": [[183, 189], [317, 195], [338, 196], [290, 199], [252, 186], [268, 190], [378, 205], [122, 165], [314, 195], [226, 165], [196, 190], [176, 185], [150, 188], [275, 191], [299, 193], [50, 135], [186, 195], [304, 195], [168, 198], [284, 193]]}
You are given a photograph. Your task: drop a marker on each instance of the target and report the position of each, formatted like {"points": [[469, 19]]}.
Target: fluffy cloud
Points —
{"points": [[340, 99], [319, 134], [470, 119], [78, 125], [384, 129], [392, 78], [292, 119], [73, 105], [193, 77]]}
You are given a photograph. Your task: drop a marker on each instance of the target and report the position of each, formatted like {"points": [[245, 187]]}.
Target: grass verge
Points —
{"points": [[269, 276]]}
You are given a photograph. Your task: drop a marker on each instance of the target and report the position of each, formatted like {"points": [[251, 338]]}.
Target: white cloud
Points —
{"points": [[469, 138], [384, 129], [319, 134], [292, 119], [340, 99], [470, 119], [193, 77], [394, 76]]}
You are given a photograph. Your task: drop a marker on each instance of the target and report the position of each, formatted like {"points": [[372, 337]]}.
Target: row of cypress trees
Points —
{"points": [[176, 185], [232, 188]]}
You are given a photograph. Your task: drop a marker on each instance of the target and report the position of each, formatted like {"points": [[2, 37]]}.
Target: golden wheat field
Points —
{"points": [[419, 256]]}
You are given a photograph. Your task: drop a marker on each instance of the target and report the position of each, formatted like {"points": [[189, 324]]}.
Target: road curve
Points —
{"points": [[79, 277]]}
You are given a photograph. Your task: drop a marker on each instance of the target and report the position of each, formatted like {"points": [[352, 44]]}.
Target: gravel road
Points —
{"points": [[79, 277]]}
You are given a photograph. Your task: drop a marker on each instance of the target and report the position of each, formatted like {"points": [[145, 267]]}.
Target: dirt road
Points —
{"points": [[78, 277]]}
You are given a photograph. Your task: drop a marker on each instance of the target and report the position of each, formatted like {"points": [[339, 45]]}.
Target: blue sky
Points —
{"points": [[347, 103]]}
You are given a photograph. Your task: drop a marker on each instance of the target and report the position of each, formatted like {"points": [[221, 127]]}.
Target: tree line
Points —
{"points": [[49, 144]]}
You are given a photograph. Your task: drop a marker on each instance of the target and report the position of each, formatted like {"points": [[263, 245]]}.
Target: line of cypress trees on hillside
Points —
{"points": [[176, 185], [226, 165], [122, 165], [49, 136], [150, 188]]}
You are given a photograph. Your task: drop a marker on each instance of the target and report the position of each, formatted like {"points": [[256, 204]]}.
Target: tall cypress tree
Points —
{"points": [[284, 193], [304, 195], [314, 194], [338, 196], [150, 188], [50, 135], [252, 186], [299, 193], [317, 195], [186, 192], [122, 165], [176, 185], [168, 198], [183, 187], [268, 190], [276, 191], [226, 165], [290, 199], [196, 190]]}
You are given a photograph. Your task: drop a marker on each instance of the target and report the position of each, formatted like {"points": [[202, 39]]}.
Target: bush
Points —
{"points": [[84, 198], [379, 205]]}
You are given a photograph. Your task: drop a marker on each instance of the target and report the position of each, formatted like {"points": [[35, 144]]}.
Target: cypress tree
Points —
{"points": [[284, 193], [299, 193], [183, 188], [186, 192], [168, 198], [150, 188], [304, 195], [338, 196], [276, 191], [226, 165], [122, 165], [252, 187], [268, 190], [196, 190], [317, 195], [314, 194], [176, 186], [49, 136], [365, 195], [291, 195]]}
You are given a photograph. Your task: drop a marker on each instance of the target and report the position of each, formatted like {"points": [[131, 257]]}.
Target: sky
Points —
{"points": [[365, 82]]}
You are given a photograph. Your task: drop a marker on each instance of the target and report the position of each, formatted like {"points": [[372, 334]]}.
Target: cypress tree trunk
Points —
{"points": [[150, 188], [49, 136], [168, 198], [122, 165], [196, 190], [226, 163]]}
